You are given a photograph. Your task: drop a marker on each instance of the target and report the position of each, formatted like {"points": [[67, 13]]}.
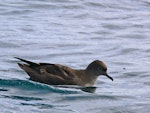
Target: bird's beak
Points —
{"points": [[108, 76]]}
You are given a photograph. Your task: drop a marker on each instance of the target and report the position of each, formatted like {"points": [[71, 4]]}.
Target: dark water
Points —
{"points": [[74, 33]]}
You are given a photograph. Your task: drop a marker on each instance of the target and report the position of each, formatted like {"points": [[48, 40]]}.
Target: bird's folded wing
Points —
{"points": [[57, 70]]}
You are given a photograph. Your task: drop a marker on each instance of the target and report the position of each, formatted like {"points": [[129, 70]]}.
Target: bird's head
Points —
{"points": [[98, 68]]}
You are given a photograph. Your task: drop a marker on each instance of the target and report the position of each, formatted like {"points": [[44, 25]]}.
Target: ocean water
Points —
{"points": [[74, 33]]}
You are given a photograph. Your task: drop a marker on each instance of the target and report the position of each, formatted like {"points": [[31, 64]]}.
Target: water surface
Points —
{"points": [[75, 33]]}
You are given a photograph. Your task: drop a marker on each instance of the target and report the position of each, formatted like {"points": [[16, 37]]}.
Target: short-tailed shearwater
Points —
{"points": [[56, 74]]}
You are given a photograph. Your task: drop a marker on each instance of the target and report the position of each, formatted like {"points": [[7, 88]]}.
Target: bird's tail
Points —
{"points": [[26, 61]]}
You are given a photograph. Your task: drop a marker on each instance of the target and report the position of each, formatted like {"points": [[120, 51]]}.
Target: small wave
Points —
{"points": [[30, 85], [22, 98], [42, 106], [8, 45], [2, 89]]}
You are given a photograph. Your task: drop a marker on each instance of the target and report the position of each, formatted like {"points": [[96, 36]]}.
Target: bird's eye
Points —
{"points": [[103, 69], [99, 69]]}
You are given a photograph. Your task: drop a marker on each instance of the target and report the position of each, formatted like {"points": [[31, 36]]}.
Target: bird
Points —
{"points": [[57, 74]]}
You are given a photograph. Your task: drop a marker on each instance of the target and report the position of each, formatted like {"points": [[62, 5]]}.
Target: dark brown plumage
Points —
{"points": [[56, 74]]}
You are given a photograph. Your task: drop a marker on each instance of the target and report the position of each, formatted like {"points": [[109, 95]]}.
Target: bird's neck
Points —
{"points": [[87, 78]]}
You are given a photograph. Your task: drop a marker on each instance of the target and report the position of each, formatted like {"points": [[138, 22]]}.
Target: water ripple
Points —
{"points": [[22, 98], [28, 85], [74, 33]]}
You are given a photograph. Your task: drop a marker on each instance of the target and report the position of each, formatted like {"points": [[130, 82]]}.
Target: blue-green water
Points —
{"points": [[74, 33]]}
